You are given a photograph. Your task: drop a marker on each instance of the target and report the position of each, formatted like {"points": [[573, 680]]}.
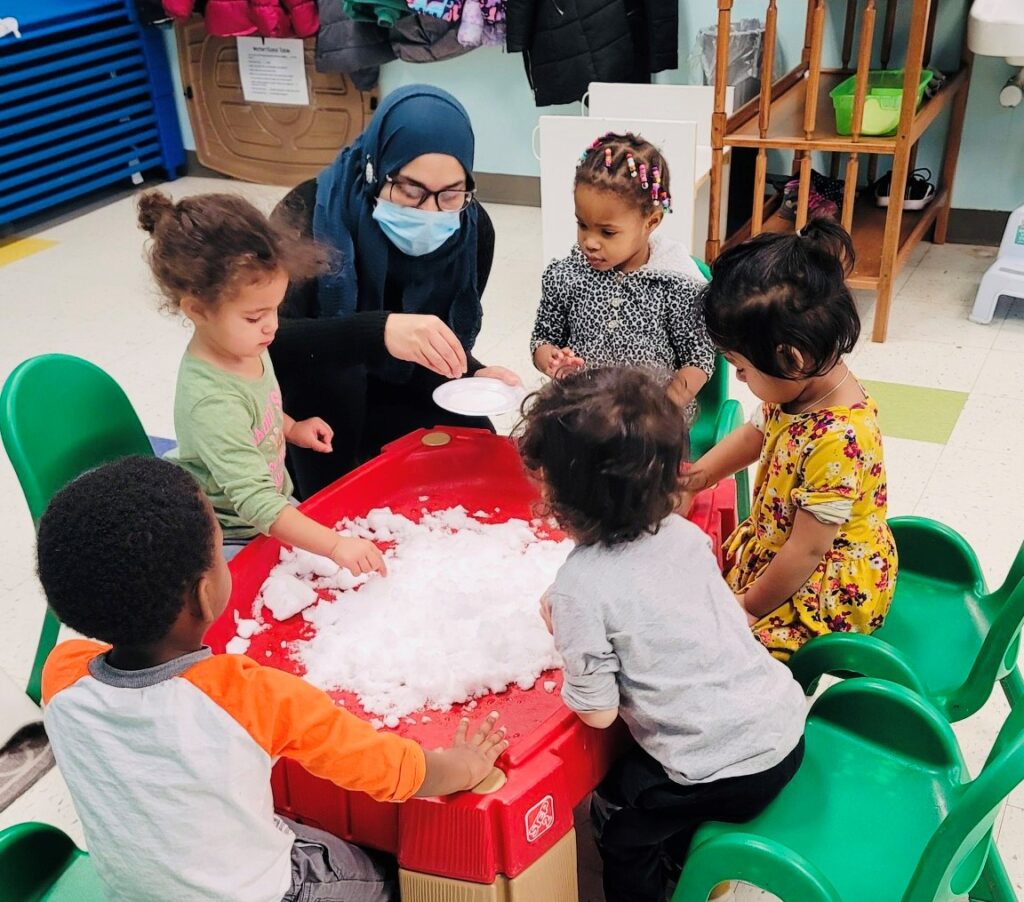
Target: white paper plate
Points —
{"points": [[479, 396]]}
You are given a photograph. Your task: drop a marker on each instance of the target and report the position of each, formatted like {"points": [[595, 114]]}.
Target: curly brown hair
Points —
{"points": [[607, 444], [606, 165], [207, 245]]}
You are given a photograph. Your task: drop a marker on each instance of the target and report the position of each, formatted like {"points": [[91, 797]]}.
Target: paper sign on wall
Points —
{"points": [[273, 70]]}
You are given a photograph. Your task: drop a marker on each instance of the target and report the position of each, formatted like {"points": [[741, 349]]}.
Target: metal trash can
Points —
{"points": [[746, 47]]}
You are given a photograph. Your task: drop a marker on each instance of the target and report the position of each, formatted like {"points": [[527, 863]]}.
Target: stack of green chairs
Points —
{"points": [[946, 636], [881, 810]]}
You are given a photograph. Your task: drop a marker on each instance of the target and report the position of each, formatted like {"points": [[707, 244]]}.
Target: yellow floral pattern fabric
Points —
{"points": [[829, 459]]}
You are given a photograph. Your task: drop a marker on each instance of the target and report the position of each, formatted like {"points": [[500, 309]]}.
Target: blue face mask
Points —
{"points": [[413, 231]]}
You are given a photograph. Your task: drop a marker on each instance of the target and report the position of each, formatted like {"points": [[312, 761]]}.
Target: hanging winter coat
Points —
{"points": [[360, 48], [566, 44], [266, 18]]}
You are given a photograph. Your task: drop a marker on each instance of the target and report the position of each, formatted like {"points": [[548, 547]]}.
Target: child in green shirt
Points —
{"points": [[219, 261]]}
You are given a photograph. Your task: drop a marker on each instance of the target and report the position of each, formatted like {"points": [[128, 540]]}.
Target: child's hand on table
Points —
{"points": [[467, 762], [313, 433], [358, 556]]}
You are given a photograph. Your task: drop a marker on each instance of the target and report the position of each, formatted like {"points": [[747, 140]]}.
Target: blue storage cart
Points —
{"points": [[86, 101]]}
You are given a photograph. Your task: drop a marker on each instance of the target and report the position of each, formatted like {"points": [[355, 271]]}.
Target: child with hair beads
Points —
{"points": [[167, 748], [649, 631], [816, 554], [625, 295], [220, 262]]}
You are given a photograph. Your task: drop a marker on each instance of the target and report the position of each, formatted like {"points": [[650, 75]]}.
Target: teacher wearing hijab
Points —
{"points": [[398, 313]]}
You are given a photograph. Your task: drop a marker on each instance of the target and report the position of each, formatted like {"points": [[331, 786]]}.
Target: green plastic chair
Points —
{"points": [[881, 810], [946, 636], [59, 417], [39, 862], [717, 416]]}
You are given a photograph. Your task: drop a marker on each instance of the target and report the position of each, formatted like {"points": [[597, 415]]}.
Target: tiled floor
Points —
{"points": [[89, 294]]}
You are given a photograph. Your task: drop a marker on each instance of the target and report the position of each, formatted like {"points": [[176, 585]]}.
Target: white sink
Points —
{"points": [[996, 28]]}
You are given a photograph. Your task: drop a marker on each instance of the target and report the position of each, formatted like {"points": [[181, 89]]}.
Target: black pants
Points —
{"points": [[365, 413], [644, 820]]}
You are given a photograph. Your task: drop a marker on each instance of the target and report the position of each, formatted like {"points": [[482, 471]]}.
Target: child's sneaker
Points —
{"points": [[918, 195]]}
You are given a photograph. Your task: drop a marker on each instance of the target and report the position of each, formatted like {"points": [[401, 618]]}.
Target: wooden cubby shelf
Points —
{"points": [[795, 114]]}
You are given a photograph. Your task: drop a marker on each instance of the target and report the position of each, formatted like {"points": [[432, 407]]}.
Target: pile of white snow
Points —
{"points": [[456, 618]]}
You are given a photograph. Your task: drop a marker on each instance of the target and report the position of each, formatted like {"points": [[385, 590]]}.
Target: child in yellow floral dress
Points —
{"points": [[816, 554]]}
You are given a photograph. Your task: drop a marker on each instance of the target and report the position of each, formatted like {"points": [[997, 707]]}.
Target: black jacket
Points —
{"points": [[567, 44]]}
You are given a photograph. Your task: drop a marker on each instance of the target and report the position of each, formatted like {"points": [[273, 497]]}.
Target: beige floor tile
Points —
{"points": [[908, 465], [1011, 846], [931, 285], [957, 259], [990, 423], [1002, 374], [924, 363], [942, 323], [1011, 328], [49, 802], [979, 493]]}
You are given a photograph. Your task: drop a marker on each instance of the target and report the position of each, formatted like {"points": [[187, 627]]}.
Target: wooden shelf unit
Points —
{"points": [[795, 114]]}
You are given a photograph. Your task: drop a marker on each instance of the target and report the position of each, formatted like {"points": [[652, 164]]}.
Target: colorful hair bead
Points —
{"points": [[631, 163], [643, 177], [607, 158], [666, 202]]}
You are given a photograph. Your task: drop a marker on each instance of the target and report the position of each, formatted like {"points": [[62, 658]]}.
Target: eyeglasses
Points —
{"points": [[410, 194]]}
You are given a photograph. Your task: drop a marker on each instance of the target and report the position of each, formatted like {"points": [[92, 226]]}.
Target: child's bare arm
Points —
{"points": [[358, 555], [467, 762], [599, 720], [737, 450], [804, 550]]}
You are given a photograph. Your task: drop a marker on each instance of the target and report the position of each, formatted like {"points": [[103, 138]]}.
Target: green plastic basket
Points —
{"points": [[881, 105]]}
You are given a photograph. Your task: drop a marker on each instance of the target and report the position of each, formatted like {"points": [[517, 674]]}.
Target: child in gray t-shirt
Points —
{"points": [[649, 631]]}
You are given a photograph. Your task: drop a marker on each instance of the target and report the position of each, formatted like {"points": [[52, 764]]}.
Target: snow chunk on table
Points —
{"points": [[285, 595], [456, 618]]}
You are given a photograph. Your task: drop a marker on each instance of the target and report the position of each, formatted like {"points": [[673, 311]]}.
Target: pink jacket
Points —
{"points": [[268, 18]]}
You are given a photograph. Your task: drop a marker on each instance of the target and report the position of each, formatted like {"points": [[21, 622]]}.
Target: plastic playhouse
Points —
{"points": [[515, 831]]}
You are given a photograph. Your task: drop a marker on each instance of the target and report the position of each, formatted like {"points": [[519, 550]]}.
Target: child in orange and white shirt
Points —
{"points": [[167, 749]]}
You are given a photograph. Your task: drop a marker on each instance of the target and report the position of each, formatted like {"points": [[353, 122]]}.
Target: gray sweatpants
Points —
{"points": [[328, 869]]}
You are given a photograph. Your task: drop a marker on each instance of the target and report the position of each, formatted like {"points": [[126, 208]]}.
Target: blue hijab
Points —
{"points": [[414, 120]]}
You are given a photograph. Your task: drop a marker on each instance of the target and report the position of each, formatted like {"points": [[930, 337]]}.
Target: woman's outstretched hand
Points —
{"points": [[426, 340]]}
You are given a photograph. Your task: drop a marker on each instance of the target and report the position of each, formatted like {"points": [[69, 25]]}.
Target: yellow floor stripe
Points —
{"points": [[12, 249]]}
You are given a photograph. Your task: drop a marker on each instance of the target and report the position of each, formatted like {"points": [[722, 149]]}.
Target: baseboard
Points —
{"points": [[492, 187], [984, 227], [495, 188], [197, 169]]}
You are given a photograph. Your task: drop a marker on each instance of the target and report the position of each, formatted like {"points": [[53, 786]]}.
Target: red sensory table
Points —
{"points": [[512, 839]]}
